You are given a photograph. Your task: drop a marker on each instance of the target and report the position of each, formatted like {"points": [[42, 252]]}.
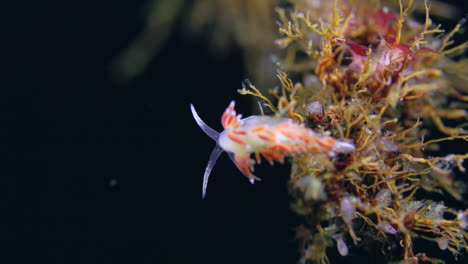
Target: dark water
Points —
{"points": [[96, 171]]}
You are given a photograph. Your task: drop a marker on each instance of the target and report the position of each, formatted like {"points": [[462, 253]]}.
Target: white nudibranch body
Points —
{"points": [[272, 138], [250, 142]]}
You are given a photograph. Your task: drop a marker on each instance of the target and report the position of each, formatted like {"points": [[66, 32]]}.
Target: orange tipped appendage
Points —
{"points": [[229, 118], [245, 164], [235, 138], [258, 129]]}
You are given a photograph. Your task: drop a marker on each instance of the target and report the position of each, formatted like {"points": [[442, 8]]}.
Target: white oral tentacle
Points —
{"points": [[211, 162], [207, 129]]}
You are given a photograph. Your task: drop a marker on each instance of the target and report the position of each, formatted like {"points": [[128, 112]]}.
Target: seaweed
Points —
{"points": [[388, 83]]}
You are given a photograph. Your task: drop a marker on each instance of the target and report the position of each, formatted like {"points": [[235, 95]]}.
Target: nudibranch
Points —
{"points": [[271, 137]]}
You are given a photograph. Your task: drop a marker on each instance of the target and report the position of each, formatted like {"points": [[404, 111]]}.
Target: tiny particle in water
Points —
{"points": [[113, 182]]}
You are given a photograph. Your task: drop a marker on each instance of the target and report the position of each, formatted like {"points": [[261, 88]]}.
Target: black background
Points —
{"points": [[95, 171]]}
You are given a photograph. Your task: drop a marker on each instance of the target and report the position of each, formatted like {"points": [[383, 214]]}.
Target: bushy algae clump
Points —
{"points": [[381, 79], [249, 24], [376, 78]]}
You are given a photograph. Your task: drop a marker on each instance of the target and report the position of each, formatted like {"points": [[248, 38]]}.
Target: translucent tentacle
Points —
{"points": [[211, 162], [208, 130]]}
